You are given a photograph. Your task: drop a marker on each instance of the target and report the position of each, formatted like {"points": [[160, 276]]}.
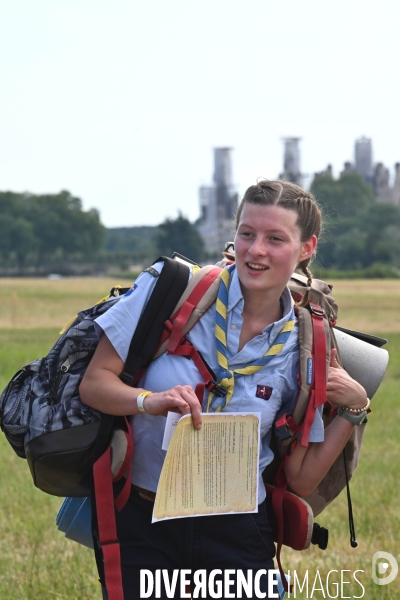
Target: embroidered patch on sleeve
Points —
{"points": [[129, 292], [264, 392], [151, 271]]}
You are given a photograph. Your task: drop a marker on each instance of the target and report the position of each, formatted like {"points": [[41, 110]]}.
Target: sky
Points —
{"points": [[121, 102]]}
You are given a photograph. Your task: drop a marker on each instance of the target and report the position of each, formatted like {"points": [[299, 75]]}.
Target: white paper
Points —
{"points": [[210, 471], [170, 426]]}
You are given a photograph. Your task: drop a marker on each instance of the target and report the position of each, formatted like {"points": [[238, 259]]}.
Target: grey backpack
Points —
{"points": [[41, 413]]}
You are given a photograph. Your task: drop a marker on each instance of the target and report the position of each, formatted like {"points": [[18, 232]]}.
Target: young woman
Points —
{"points": [[277, 229]]}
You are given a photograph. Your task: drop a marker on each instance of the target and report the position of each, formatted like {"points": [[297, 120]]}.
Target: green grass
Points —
{"points": [[38, 563], [36, 560]]}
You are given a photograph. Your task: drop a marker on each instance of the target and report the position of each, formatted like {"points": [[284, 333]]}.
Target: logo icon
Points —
{"points": [[309, 371], [264, 392], [380, 564]]}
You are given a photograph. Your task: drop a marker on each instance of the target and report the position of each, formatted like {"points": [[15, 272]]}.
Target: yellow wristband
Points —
{"points": [[140, 400]]}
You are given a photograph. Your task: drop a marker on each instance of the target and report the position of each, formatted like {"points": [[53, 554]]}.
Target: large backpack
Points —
{"points": [[41, 412]]}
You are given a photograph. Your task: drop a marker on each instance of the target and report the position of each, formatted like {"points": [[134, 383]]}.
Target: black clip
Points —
{"points": [[216, 389], [283, 433], [320, 536], [126, 378]]}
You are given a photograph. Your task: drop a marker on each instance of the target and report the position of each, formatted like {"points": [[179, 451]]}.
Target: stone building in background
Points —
{"points": [[291, 161], [363, 158], [219, 201], [381, 183], [218, 204], [377, 175]]}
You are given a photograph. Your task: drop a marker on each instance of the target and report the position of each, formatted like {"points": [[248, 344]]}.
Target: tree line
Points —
{"points": [[39, 231], [359, 231], [52, 233], [47, 233]]}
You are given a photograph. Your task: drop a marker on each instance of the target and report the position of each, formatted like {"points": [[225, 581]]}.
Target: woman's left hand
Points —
{"points": [[341, 389]]}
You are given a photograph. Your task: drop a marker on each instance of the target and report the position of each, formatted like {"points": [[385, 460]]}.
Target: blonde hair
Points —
{"points": [[292, 197]]}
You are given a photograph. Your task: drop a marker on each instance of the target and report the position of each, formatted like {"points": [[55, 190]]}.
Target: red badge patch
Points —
{"points": [[264, 392]]}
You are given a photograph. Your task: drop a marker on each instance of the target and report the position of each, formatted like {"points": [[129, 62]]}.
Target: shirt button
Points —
{"points": [[233, 327]]}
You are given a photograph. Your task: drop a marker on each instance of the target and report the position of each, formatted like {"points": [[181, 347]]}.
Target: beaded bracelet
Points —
{"points": [[357, 411]]}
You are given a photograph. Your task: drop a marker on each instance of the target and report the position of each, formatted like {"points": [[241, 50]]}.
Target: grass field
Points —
{"points": [[38, 563]]}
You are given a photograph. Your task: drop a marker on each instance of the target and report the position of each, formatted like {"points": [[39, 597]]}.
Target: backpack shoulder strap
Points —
{"points": [[316, 310], [197, 298], [169, 288]]}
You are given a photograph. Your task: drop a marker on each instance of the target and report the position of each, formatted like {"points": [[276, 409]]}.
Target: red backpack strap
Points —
{"points": [[106, 524], [197, 298], [107, 528], [319, 356], [315, 344], [314, 354], [199, 295]]}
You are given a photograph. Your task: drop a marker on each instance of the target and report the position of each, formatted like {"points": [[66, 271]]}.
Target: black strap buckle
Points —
{"points": [[320, 536], [126, 378], [283, 432], [216, 389]]}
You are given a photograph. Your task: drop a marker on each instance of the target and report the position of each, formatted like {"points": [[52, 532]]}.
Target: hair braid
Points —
{"points": [[304, 267]]}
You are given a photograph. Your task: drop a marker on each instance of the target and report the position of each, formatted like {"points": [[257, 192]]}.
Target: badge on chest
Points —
{"points": [[264, 392]]}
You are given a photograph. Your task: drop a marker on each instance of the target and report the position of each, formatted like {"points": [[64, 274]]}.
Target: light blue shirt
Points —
{"points": [[167, 371]]}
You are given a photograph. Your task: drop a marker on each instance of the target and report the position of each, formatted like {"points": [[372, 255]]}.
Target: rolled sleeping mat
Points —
{"points": [[363, 357]]}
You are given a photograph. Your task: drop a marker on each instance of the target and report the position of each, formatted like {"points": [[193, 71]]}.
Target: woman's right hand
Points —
{"points": [[341, 389], [102, 389], [180, 399]]}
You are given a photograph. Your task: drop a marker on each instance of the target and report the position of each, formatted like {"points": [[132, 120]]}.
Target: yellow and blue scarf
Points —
{"points": [[226, 376]]}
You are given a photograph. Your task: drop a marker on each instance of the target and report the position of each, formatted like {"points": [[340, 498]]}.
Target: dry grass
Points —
{"points": [[365, 305], [42, 303], [369, 305]]}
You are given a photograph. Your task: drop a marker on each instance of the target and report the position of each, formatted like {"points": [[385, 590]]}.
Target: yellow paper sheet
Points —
{"points": [[210, 471]]}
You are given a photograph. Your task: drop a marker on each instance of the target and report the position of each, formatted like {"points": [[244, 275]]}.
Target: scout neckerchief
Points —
{"points": [[226, 377]]}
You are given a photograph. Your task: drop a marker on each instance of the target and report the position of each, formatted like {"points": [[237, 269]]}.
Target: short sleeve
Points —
{"points": [[120, 322]]}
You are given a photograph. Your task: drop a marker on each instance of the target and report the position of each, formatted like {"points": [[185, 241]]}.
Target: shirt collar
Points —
{"points": [[235, 291], [288, 313]]}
